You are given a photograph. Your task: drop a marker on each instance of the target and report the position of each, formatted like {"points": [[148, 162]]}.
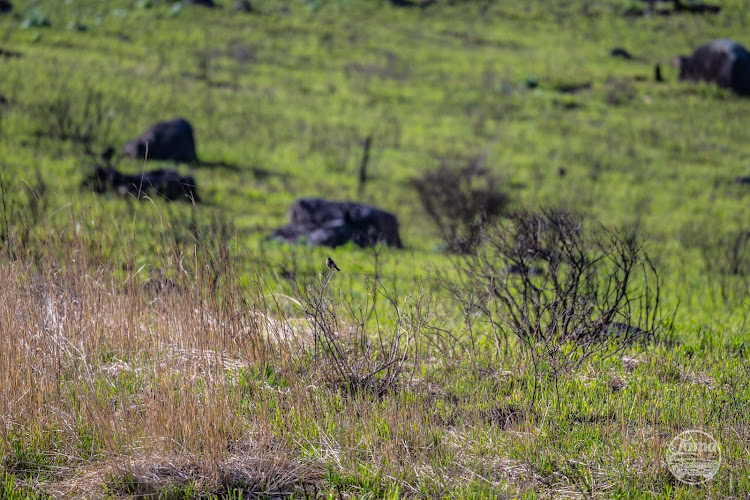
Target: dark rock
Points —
{"points": [[695, 7], [655, 7], [411, 3], [171, 140], [5, 6], [334, 223], [573, 88], [166, 183], [723, 62], [620, 52], [243, 6], [9, 53], [202, 3]]}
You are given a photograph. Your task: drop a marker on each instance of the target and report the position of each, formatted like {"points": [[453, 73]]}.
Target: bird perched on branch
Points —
{"points": [[331, 264]]}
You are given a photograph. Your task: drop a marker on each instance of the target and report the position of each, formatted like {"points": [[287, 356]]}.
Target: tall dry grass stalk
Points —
{"points": [[140, 379]]}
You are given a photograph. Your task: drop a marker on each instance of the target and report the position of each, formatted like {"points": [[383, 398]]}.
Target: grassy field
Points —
{"points": [[167, 350]]}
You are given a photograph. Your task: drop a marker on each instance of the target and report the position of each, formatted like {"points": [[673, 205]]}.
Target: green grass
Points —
{"points": [[288, 95]]}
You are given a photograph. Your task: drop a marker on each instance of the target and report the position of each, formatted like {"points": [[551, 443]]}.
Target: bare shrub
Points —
{"points": [[461, 201], [726, 258], [82, 119], [566, 292], [351, 356]]}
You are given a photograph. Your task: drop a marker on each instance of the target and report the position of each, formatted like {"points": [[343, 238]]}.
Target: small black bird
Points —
{"points": [[331, 264]]}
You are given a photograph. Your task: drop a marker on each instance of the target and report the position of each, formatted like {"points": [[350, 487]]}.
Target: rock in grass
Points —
{"points": [[333, 223], [202, 3], [695, 7], [5, 6], [243, 6], [165, 183], [723, 62], [170, 140], [5, 53], [411, 3]]}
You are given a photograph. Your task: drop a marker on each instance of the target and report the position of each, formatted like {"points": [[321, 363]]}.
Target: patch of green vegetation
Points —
{"points": [[11, 491]]}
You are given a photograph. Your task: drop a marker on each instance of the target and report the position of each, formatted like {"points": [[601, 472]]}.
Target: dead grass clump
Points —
{"points": [[618, 91], [507, 416], [630, 363], [692, 377], [252, 468]]}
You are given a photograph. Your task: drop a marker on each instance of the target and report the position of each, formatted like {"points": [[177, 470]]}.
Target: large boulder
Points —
{"points": [[166, 183], [170, 140], [723, 62], [334, 223]]}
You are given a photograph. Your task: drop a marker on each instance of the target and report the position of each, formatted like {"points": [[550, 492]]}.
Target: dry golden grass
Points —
{"points": [[112, 385], [146, 380]]}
